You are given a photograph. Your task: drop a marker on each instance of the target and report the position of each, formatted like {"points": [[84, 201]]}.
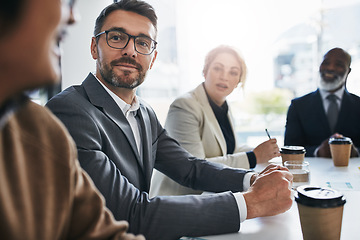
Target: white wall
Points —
{"points": [[76, 58]]}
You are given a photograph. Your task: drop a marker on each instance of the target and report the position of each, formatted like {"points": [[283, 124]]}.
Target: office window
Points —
{"points": [[282, 42]]}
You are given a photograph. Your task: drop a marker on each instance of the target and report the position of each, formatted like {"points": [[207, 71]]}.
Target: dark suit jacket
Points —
{"points": [[307, 124], [108, 152]]}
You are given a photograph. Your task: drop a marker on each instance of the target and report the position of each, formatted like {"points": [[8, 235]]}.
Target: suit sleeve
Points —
{"points": [[160, 217], [294, 130], [90, 219]]}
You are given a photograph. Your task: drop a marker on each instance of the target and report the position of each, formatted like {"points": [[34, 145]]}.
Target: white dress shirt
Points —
{"points": [[129, 111], [339, 94], [324, 94]]}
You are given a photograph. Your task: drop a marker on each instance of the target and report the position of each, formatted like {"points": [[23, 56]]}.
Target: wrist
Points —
{"points": [[253, 178], [250, 211]]}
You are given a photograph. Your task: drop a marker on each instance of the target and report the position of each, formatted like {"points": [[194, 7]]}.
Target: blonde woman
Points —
{"points": [[202, 122]]}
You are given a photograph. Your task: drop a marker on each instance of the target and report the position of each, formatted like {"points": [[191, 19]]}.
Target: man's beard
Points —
{"points": [[331, 85], [123, 81]]}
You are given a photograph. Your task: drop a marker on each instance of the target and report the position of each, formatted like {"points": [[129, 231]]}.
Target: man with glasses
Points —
{"points": [[120, 141]]}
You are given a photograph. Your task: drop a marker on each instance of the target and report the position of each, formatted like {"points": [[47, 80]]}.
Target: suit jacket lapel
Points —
{"points": [[147, 142], [200, 94], [344, 110], [101, 99]]}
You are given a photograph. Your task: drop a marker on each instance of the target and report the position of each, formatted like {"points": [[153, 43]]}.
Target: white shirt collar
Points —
{"points": [[125, 108], [339, 93]]}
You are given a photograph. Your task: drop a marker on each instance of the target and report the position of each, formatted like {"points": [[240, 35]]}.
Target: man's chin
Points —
{"points": [[128, 84], [329, 86]]}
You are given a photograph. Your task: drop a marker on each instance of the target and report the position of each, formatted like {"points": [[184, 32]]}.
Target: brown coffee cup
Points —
{"points": [[292, 153], [320, 211], [340, 149]]}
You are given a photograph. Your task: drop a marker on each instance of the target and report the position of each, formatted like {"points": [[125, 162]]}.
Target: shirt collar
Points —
{"points": [[339, 93], [125, 108]]}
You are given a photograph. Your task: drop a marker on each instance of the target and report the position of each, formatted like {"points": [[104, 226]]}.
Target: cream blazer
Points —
{"points": [[192, 122]]}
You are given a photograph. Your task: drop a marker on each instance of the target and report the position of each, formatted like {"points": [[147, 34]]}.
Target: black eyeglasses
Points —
{"points": [[119, 40]]}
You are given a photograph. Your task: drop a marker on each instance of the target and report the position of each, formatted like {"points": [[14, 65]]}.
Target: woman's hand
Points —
{"points": [[267, 151]]}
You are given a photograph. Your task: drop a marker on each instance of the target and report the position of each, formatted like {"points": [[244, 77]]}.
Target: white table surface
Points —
{"points": [[286, 226]]}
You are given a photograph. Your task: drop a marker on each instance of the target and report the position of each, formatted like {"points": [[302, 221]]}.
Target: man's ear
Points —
{"points": [[153, 59], [93, 48]]}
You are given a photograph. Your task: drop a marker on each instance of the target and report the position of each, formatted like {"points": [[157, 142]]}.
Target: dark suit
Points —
{"points": [[108, 152], [307, 124]]}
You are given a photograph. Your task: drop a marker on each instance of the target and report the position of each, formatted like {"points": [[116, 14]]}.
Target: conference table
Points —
{"points": [[286, 226]]}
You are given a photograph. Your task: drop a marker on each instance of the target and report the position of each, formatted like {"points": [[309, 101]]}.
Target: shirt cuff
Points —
{"points": [[247, 178], [252, 159], [240, 201]]}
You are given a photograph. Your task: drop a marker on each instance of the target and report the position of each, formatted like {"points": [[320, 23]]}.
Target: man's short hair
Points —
{"points": [[140, 7]]}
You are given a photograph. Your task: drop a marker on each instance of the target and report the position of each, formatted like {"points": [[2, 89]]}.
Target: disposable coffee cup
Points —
{"points": [[340, 149], [292, 153], [320, 211]]}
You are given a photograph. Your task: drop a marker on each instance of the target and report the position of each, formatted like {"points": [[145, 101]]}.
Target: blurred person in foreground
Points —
{"points": [[330, 111], [203, 124], [120, 141], [44, 193]]}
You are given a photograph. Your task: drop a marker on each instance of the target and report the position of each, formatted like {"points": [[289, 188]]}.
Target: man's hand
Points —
{"points": [[270, 193], [266, 151], [354, 151], [324, 148], [269, 168]]}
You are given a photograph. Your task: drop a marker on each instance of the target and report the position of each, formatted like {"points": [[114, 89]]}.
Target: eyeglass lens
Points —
{"points": [[117, 39]]}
